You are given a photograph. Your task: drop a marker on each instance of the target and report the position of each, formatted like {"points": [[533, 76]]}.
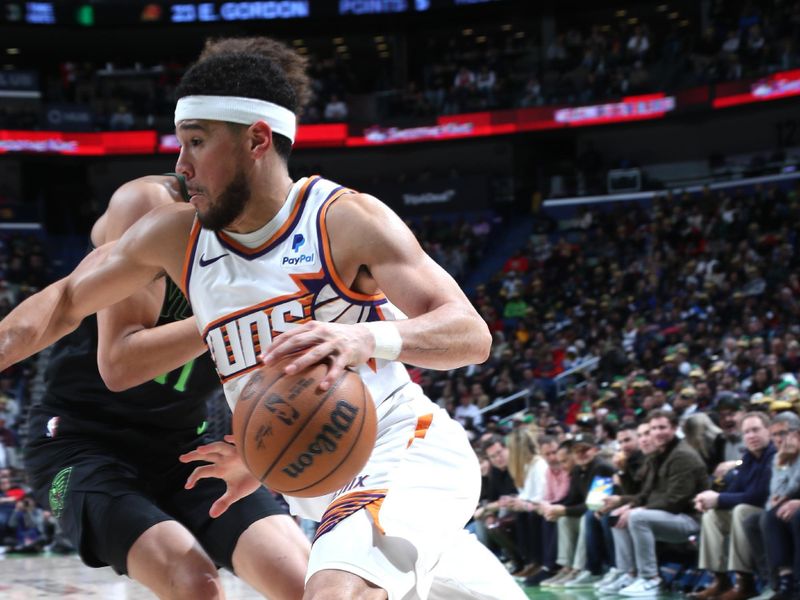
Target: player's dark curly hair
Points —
{"points": [[293, 63], [246, 75]]}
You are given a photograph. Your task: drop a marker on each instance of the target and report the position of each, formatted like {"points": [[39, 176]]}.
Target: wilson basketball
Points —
{"points": [[299, 440]]}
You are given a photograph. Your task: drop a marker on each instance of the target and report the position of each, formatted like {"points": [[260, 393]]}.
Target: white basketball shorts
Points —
{"points": [[395, 523]]}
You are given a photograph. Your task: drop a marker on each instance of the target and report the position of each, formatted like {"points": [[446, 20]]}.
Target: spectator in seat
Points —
{"points": [[662, 511], [570, 511], [485, 83], [724, 545], [638, 44], [10, 495], [532, 93], [731, 44], [26, 523], [463, 87], [629, 463], [685, 403], [729, 411], [122, 119], [635, 446], [705, 437], [516, 308], [528, 469], [755, 42], [8, 443], [467, 413], [780, 523], [517, 262], [781, 484], [335, 109], [560, 463], [639, 77], [496, 511], [533, 493], [556, 53]]}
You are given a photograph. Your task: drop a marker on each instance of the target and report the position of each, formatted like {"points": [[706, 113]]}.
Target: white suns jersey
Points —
{"points": [[244, 297]]}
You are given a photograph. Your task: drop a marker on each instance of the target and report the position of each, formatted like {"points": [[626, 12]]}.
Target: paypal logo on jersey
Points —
{"points": [[298, 260], [297, 241]]}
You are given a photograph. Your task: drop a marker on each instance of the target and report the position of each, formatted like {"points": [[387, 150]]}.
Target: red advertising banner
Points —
{"points": [[328, 135], [470, 125], [773, 87], [502, 122], [450, 127], [78, 144]]}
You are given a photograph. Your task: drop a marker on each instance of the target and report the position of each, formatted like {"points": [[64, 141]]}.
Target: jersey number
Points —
{"points": [[180, 385]]}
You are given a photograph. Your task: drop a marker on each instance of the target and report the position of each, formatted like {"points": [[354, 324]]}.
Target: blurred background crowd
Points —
{"points": [[635, 334]]}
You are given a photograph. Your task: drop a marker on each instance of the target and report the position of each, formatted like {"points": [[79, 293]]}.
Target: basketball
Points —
{"points": [[299, 440]]}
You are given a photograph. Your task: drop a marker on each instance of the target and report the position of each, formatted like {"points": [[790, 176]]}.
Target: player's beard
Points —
{"points": [[229, 204]]}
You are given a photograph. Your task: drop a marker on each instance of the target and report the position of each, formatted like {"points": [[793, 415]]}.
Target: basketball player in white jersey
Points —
{"points": [[271, 265], [107, 461]]}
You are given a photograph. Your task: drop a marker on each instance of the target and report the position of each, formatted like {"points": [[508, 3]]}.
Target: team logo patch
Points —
{"points": [[58, 491]]}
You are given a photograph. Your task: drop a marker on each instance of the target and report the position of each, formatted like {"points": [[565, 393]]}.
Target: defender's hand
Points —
{"points": [[226, 464]]}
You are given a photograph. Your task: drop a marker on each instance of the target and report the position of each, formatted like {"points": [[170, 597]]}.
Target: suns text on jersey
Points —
{"points": [[236, 342]]}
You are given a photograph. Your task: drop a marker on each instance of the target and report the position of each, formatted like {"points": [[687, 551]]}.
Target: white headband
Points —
{"points": [[235, 109]]}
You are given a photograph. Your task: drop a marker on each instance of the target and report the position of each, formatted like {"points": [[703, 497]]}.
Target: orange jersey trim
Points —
{"points": [[188, 259], [346, 505], [423, 424], [327, 257], [299, 202], [374, 508]]}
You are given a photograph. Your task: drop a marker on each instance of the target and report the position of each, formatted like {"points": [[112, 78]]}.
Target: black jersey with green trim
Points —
{"points": [[174, 400]]}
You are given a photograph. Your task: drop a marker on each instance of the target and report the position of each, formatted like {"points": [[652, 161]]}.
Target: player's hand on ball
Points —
{"points": [[314, 342], [225, 464]]}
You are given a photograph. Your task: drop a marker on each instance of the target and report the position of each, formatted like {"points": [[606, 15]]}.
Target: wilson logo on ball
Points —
{"points": [[300, 440], [341, 420]]}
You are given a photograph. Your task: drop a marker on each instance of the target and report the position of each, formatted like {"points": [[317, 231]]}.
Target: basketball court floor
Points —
{"points": [[65, 577]]}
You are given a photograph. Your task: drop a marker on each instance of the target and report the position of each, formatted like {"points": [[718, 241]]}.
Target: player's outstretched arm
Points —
{"points": [[131, 349], [107, 275], [373, 248], [33, 324], [52, 313]]}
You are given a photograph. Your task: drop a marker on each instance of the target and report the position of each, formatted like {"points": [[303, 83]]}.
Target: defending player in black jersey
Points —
{"points": [[106, 463]]}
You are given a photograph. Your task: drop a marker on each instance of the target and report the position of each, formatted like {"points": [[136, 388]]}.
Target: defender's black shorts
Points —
{"points": [[107, 491]]}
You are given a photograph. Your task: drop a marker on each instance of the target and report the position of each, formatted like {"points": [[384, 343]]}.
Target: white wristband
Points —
{"points": [[388, 342]]}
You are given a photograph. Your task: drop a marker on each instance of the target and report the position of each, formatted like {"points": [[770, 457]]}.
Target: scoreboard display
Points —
{"points": [[117, 12]]}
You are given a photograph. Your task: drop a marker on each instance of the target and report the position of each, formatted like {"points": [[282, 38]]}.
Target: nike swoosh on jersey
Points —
{"points": [[205, 263]]}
